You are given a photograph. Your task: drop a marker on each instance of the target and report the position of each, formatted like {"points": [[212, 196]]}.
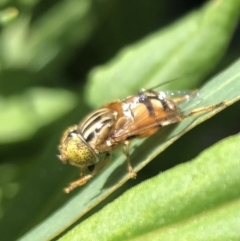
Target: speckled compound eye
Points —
{"points": [[76, 150], [79, 153]]}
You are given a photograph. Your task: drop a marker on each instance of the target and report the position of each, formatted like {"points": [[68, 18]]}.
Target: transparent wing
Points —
{"points": [[185, 100]]}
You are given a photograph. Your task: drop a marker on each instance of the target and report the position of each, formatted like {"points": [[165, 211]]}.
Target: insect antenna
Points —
{"points": [[167, 82], [164, 83]]}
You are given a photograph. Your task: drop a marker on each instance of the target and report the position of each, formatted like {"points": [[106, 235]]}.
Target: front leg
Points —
{"points": [[85, 178]]}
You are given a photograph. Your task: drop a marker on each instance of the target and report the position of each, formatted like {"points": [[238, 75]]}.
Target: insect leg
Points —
{"points": [[101, 165], [202, 110], [85, 178], [131, 172]]}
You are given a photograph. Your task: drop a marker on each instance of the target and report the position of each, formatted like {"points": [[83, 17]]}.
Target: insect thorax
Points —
{"points": [[96, 128]]}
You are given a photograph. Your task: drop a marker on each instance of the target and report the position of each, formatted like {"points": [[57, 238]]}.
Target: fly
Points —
{"points": [[117, 123]]}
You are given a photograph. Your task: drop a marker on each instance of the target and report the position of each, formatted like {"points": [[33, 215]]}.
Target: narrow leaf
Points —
{"points": [[176, 203]]}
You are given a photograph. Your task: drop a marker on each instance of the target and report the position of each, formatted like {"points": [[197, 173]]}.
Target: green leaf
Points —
{"points": [[190, 48], [198, 200], [45, 40], [21, 116], [114, 175]]}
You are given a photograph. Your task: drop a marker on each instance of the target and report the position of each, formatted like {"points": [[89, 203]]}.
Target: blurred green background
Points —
{"points": [[47, 49]]}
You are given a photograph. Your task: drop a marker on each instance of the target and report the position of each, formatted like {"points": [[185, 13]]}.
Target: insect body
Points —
{"points": [[116, 124]]}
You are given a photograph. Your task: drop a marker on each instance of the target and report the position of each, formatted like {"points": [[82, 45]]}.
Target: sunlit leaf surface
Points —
{"points": [[198, 200]]}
